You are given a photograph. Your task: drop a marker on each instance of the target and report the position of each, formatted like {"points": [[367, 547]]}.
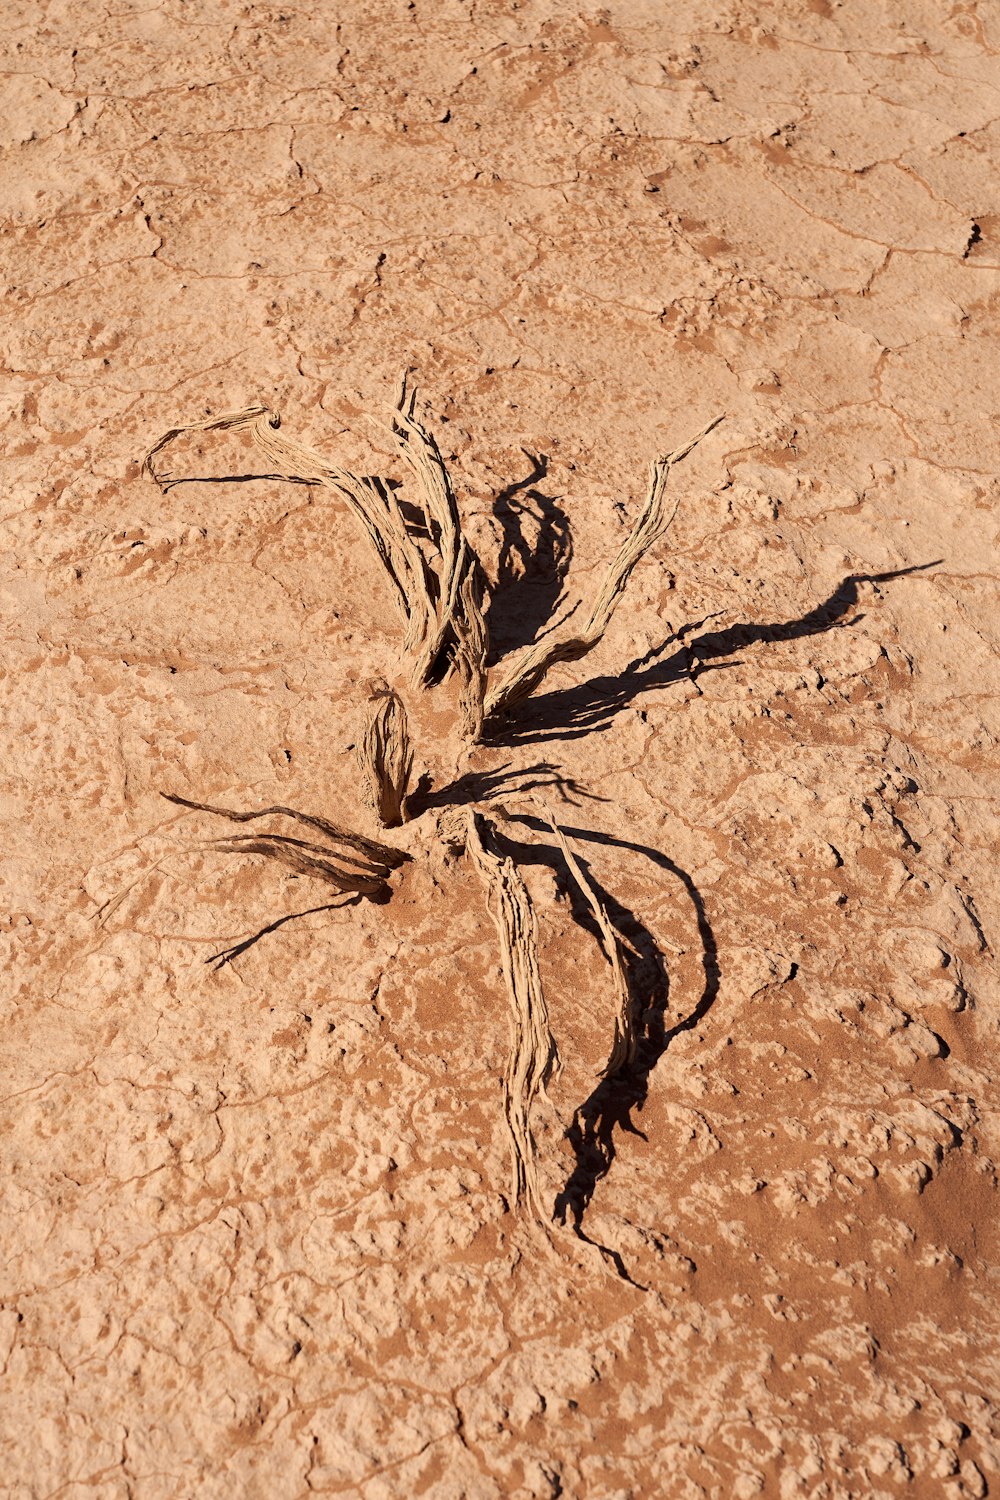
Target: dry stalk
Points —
{"points": [[534, 1057], [386, 757], [531, 666], [626, 1036], [422, 456], [471, 646]]}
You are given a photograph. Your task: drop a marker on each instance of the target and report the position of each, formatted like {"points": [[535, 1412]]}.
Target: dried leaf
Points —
{"points": [[370, 499], [459, 635], [534, 1057], [376, 853], [626, 1039], [440, 601], [292, 852], [386, 757], [529, 669], [471, 646]]}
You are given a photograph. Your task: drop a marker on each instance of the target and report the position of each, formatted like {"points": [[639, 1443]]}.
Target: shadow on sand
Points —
{"points": [[536, 549], [590, 707]]}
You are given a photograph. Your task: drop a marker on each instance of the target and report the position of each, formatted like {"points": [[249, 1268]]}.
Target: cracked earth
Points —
{"points": [[254, 1238]]}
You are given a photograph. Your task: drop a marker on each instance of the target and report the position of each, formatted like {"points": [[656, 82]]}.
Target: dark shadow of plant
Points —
{"points": [[536, 549], [590, 707]]}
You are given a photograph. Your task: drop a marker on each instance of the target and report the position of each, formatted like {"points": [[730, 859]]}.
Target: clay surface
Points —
{"points": [[254, 1239]]}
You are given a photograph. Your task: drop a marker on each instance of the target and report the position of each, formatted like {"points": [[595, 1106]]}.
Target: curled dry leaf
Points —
{"points": [[439, 597], [385, 756], [626, 1035]]}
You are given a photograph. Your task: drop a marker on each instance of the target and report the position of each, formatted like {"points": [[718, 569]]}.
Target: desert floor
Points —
{"points": [[257, 1232]]}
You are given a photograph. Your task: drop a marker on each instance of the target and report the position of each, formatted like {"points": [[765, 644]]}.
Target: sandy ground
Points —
{"points": [[255, 1238]]}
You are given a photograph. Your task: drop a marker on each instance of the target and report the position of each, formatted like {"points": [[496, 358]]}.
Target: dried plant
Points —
{"points": [[440, 590]]}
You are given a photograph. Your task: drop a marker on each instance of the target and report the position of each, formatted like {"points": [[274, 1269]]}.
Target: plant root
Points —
{"points": [[530, 668], [534, 1057], [385, 756]]}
